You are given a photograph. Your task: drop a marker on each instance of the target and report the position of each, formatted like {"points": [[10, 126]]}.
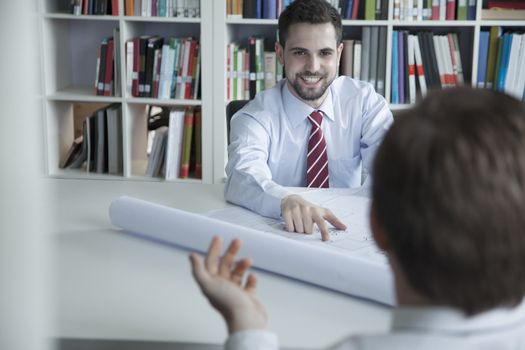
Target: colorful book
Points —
{"points": [[482, 58], [186, 143]]}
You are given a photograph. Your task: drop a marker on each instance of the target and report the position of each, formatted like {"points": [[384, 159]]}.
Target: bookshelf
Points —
{"points": [[69, 42], [68, 46]]}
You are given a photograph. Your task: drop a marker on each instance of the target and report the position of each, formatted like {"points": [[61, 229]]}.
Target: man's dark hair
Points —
{"points": [[309, 11], [449, 191]]}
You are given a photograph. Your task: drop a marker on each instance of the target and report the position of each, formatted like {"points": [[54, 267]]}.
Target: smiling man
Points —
{"points": [[312, 129]]}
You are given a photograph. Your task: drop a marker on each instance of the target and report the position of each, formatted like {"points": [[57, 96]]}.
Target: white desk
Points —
{"points": [[108, 285]]}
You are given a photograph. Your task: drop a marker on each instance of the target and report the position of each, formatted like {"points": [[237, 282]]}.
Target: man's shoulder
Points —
{"points": [[346, 87], [266, 103]]}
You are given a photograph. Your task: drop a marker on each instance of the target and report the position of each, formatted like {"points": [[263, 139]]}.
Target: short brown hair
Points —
{"points": [[449, 190], [309, 11]]}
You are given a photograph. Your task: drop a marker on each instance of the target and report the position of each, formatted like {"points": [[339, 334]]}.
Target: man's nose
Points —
{"points": [[313, 63]]}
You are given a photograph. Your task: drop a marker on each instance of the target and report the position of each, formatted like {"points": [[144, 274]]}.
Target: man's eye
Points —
{"points": [[326, 53], [299, 53]]}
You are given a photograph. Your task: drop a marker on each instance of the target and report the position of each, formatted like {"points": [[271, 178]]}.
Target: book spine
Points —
{"points": [[108, 76], [198, 142], [419, 66], [186, 143]]}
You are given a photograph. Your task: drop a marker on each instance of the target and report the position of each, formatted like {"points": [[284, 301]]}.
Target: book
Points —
{"points": [[370, 6], [101, 72], [101, 137], [197, 127], [482, 58], [117, 72], [349, 263], [73, 153], [136, 66], [401, 66], [498, 14], [381, 61], [374, 43], [395, 69], [109, 65], [186, 143], [365, 54], [114, 140], [196, 74], [269, 69], [504, 63], [411, 69], [156, 157], [153, 44], [174, 147], [471, 10], [506, 4], [462, 10], [520, 77], [495, 33], [420, 69], [513, 68]]}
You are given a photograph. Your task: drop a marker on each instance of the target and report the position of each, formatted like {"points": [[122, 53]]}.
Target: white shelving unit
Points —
{"points": [[68, 49], [69, 44]]}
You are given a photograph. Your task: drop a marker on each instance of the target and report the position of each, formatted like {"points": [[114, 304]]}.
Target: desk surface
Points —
{"points": [[108, 285]]}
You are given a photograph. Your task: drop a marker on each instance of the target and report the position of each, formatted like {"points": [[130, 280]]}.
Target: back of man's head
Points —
{"points": [[309, 11], [449, 191]]}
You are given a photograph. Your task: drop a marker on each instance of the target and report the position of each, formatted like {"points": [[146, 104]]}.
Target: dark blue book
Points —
{"points": [[269, 10]]}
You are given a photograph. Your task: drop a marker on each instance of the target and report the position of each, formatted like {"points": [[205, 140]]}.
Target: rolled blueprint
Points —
{"points": [[319, 263]]}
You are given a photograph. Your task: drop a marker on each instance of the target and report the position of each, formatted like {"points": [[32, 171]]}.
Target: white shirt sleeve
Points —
{"points": [[249, 179], [377, 119], [252, 340]]}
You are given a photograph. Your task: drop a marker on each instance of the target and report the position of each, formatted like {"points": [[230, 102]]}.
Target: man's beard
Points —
{"points": [[310, 94]]}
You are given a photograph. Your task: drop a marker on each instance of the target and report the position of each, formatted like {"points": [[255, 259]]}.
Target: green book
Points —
{"points": [[462, 10], [495, 33], [370, 10]]}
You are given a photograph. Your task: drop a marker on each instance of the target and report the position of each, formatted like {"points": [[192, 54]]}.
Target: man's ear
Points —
{"points": [[339, 53], [378, 232], [279, 51]]}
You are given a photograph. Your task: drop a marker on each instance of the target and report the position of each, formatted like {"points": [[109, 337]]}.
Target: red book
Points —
{"points": [[435, 10], [191, 64], [108, 76], [355, 8], [136, 65], [451, 10], [198, 140], [114, 7]]}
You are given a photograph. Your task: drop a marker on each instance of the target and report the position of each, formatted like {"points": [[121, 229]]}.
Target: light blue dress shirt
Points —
{"points": [[269, 140]]}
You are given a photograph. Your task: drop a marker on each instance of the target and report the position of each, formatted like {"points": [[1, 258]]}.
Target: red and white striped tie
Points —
{"points": [[317, 159]]}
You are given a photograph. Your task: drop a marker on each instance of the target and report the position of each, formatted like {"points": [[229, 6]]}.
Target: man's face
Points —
{"points": [[310, 58]]}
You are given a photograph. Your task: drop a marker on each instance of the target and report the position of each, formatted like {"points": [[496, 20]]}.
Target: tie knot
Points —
{"points": [[316, 118]]}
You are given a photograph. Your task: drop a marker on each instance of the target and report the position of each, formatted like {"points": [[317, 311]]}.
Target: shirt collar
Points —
{"points": [[450, 320], [297, 111]]}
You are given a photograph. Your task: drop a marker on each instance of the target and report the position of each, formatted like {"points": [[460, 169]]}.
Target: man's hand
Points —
{"points": [[221, 281], [299, 215]]}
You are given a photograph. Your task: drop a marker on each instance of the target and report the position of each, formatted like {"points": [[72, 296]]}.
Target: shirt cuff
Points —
{"points": [[253, 340]]}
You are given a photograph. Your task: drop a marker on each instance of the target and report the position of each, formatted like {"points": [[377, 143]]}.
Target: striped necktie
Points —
{"points": [[317, 159]]}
